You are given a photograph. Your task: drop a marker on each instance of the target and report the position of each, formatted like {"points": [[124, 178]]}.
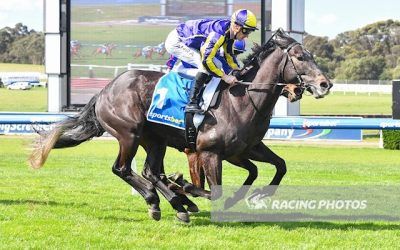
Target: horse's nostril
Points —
{"points": [[298, 91], [324, 85]]}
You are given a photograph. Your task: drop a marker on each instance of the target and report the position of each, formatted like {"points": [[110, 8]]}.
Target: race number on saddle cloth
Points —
{"points": [[170, 97]]}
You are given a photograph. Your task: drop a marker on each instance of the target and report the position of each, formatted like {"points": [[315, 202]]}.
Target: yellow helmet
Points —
{"points": [[245, 18]]}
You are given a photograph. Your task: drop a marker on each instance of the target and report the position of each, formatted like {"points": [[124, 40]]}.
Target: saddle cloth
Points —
{"points": [[170, 97]]}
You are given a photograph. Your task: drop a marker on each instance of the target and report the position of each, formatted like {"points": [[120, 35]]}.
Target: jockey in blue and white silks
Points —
{"points": [[198, 41]]}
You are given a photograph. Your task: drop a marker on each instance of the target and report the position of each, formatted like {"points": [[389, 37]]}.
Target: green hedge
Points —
{"points": [[391, 139]]}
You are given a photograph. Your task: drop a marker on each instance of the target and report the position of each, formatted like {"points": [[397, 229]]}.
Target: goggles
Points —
{"points": [[247, 31]]}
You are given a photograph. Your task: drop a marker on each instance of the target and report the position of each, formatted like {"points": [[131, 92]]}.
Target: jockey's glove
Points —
{"points": [[229, 79], [237, 73]]}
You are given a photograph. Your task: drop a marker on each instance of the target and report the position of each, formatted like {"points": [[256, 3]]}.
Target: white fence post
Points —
{"points": [[369, 90], [380, 139]]}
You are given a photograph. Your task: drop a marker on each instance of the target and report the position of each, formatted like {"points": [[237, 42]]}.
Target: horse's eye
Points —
{"points": [[300, 58]]}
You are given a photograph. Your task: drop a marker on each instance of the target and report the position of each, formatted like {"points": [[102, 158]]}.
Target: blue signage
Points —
{"points": [[334, 123], [314, 134], [23, 128], [293, 128]]}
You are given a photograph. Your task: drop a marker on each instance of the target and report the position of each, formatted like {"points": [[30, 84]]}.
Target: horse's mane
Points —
{"points": [[281, 39]]}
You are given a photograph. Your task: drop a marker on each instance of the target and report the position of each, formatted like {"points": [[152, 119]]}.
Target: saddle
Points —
{"points": [[169, 100]]}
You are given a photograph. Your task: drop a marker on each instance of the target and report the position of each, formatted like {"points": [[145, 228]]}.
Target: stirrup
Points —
{"points": [[193, 108]]}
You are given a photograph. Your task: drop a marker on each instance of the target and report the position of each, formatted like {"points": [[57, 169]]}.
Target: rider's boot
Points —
{"points": [[193, 106]]}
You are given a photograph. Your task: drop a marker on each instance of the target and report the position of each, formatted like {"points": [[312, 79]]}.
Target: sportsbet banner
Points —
{"points": [[313, 128]]}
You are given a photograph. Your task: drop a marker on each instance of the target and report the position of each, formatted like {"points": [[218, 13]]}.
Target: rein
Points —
{"points": [[300, 83], [261, 83]]}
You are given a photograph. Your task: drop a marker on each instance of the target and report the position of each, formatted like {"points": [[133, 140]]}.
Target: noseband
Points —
{"points": [[300, 82]]}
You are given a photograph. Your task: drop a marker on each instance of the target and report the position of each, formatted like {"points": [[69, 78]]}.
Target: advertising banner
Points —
{"points": [[314, 134]]}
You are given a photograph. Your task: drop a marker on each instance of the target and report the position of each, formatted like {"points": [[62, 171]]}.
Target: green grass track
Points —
{"points": [[76, 202]]}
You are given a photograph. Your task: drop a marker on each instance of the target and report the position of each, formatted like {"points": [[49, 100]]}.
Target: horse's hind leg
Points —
{"points": [[155, 150], [212, 165], [122, 168], [196, 170], [191, 206]]}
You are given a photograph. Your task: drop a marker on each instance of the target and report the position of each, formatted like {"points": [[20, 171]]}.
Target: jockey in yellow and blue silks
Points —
{"points": [[198, 41], [239, 47]]}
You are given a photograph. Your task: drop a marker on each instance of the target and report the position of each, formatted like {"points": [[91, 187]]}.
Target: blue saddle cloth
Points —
{"points": [[170, 97]]}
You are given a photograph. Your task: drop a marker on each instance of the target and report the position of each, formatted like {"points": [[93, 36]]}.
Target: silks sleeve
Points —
{"points": [[230, 59], [209, 50]]}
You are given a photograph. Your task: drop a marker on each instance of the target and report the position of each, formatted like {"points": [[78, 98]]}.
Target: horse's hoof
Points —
{"points": [[184, 217], [155, 214], [192, 209]]}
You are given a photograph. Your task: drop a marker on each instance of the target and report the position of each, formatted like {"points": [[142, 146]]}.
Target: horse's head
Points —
{"points": [[298, 66]]}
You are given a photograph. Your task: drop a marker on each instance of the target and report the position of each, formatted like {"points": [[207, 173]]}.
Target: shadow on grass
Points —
{"points": [[204, 219], [121, 219], [43, 203]]}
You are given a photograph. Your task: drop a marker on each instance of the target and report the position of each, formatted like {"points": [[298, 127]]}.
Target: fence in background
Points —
{"points": [[362, 86], [91, 69], [343, 86]]}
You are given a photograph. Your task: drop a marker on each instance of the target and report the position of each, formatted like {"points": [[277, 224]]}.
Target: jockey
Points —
{"points": [[103, 48], [239, 46], [197, 42]]}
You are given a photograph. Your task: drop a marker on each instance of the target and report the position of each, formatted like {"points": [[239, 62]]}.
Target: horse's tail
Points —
{"points": [[67, 133]]}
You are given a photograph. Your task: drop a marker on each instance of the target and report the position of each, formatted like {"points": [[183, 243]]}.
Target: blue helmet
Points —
{"points": [[239, 46]]}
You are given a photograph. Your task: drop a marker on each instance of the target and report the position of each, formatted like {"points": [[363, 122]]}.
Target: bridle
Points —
{"points": [[300, 82], [255, 59]]}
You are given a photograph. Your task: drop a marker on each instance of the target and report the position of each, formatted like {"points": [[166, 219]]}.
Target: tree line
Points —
{"points": [[21, 45], [371, 52]]}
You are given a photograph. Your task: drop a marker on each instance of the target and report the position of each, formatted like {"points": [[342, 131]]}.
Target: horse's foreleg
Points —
{"points": [[122, 168], [152, 171], [242, 191], [249, 166], [262, 153]]}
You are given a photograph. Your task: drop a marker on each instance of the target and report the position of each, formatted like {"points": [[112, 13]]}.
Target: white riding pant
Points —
{"points": [[175, 46]]}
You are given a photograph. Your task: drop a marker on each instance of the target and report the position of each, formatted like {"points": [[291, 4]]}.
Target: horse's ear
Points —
{"points": [[255, 47]]}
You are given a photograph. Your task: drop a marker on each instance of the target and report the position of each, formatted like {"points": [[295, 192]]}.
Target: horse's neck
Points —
{"points": [[257, 102], [266, 92]]}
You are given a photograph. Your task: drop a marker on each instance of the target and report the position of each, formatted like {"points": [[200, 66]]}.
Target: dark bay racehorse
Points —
{"points": [[232, 130]]}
